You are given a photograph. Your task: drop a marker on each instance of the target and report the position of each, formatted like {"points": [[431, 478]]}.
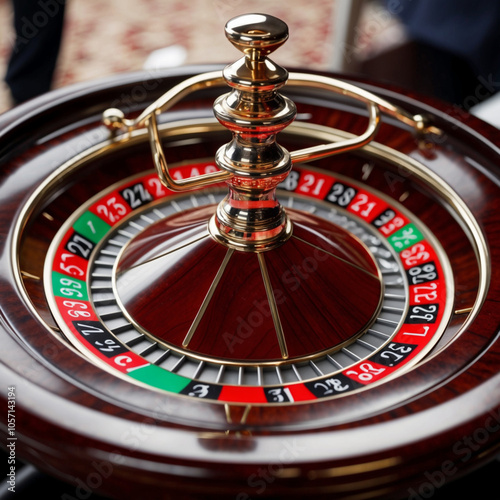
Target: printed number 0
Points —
{"points": [[369, 371]]}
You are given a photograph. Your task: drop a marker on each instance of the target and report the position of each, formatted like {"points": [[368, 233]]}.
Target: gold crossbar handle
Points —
{"points": [[114, 119], [179, 92], [349, 90], [148, 118], [316, 152], [160, 161], [214, 79]]}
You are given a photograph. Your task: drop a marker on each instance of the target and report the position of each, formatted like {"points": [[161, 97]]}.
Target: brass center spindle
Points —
{"points": [[250, 218], [252, 164]]}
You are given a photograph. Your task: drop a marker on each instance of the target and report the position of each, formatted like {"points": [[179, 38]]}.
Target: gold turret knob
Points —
{"points": [[252, 163], [250, 218]]}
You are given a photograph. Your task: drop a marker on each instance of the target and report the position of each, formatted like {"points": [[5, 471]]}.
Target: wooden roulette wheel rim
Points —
{"points": [[77, 420]]}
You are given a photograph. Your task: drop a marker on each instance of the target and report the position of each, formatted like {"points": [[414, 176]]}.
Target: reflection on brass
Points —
{"points": [[30, 276], [374, 487], [317, 152], [229, 417], [250, 218], [162, 168], [417, 122], [348, 470], [241, 240], [467, 310]]}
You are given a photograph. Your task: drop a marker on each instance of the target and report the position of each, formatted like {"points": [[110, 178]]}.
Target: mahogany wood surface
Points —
{"points": [[74, 418], [170, 282]]}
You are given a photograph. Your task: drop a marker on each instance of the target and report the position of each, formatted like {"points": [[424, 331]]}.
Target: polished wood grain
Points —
{"points": [[166, 272], [74, 419]]}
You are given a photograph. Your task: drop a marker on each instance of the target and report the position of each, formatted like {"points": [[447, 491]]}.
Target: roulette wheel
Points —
{"points": [[183, 315]]}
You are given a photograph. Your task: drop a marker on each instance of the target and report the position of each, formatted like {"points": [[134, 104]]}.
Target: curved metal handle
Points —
{"points": [[162, 167], [114, 119], [316, 152]]}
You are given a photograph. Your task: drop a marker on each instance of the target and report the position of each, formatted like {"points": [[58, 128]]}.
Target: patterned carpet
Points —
{"points": [[114, 36]]}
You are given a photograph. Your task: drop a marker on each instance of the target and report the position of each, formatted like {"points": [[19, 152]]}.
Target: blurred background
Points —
{"points": [[447, 49], [443, 48], [101, 38]]}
